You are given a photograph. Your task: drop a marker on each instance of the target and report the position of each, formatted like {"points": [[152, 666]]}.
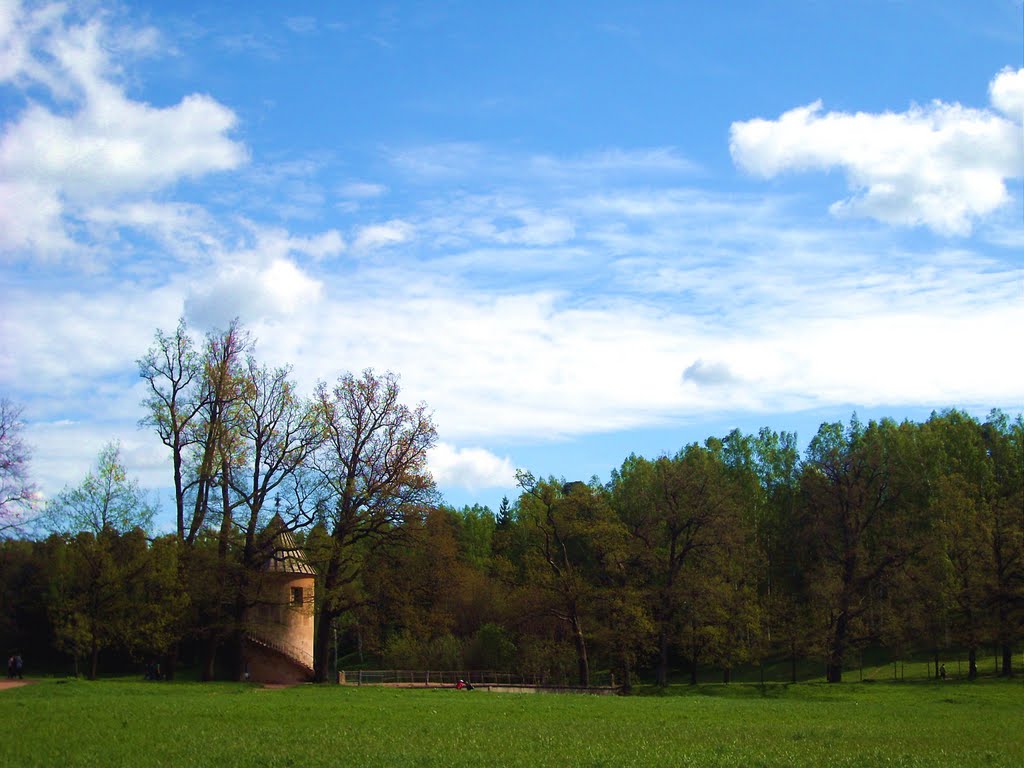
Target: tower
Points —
{"points": [[279, 627]]}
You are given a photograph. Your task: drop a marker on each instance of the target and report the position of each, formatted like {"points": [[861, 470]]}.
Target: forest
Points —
{"points": [[907, 537]]}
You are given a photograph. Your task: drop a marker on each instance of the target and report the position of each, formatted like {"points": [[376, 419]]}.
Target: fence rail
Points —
{"points": [[451, 677]]}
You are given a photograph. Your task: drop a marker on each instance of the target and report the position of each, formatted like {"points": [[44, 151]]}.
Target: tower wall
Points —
{"points": [[283, 615]]}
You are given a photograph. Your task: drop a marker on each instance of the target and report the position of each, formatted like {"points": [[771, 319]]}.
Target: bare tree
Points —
{"points": [[373, 463], [171, 369], [190, 401], [17, 492], [193, 402]]}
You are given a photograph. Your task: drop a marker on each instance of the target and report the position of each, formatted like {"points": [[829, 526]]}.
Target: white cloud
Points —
{"points": [[467, 159], [376, 236], [93, 142], [942, 166], [361, 190], [1007, 94], [706, 374], [278, 289], [470, 468]]}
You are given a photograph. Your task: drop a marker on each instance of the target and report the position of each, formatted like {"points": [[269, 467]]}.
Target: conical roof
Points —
{"points": [[286, 556]]}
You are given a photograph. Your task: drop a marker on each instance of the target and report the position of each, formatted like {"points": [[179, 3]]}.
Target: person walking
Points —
{"points": [[18, 664]]}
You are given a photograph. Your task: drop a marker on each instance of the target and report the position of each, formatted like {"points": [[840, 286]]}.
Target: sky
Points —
{"points": [[576, 230]]}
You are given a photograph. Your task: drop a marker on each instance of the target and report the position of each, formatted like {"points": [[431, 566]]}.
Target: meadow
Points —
{"points": [[128, 723]]}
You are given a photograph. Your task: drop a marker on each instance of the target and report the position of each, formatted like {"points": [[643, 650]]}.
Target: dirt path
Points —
{"points": [[5, 684]]}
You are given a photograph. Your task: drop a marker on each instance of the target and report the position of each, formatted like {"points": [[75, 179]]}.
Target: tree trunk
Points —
{"points": [[834, 668], [94, 660], [662, 673], [727, 675], [581, 652], [693, 670], [627, 674], [1007, 669], [972, 663], [322, 649], [171, 662], [209, 657]]}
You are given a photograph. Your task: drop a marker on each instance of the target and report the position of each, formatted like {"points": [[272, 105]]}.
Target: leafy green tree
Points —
{"points": [[784, 586], [1004, 524], [107, 499], [560, 520], [476, 526], [865, 518], [104, 521], [677, 509], [98, 612]]}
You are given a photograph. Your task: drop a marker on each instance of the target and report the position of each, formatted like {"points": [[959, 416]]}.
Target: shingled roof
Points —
{"points": [[287, 556]]}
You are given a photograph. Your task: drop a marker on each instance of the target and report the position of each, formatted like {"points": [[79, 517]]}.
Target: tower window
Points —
{"points": [[296, 595]]}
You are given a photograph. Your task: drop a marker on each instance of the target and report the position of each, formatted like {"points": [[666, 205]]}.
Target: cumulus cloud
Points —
{"points": [[1007, 93], [471, 468], [278, 289], [942, 166], [91, 141]]}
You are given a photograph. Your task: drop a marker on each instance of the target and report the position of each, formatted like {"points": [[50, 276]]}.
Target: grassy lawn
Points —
{"points": [[119, 723]]}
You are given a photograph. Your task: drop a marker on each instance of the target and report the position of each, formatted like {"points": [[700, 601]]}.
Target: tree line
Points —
{"points": [[906, 536]]}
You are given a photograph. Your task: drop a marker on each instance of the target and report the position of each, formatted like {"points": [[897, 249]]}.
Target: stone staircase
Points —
{"points": [[296, 656]]}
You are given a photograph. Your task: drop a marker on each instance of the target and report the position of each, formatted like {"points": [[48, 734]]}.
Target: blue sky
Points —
{"points": [[576, 230]]}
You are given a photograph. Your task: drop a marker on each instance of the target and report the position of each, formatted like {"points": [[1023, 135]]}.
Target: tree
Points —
{"points": [[777, 460], [171, 369], [190, 403], [1004, 443], [104, 521], [373, 468], [866, 516], [17, 492], [107, 499], [269, 434], [677, 509], [560, 520]]}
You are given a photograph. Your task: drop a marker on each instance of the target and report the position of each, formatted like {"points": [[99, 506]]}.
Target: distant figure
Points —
{"points": [[18, 664], [942, 671], [10, 667], [463, 685]]}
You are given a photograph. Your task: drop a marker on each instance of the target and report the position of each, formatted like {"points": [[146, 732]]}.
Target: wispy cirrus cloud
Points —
{"points": [[388, 233], [462, 159]]}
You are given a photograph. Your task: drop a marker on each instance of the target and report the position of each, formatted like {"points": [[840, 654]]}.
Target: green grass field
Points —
{"points": [[120, 723]]}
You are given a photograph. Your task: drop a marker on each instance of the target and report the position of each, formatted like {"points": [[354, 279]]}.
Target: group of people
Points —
{"points": [[14, 666]]}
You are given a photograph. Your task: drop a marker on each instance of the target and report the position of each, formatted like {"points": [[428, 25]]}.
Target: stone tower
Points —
{"points": [[279, 638]]}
